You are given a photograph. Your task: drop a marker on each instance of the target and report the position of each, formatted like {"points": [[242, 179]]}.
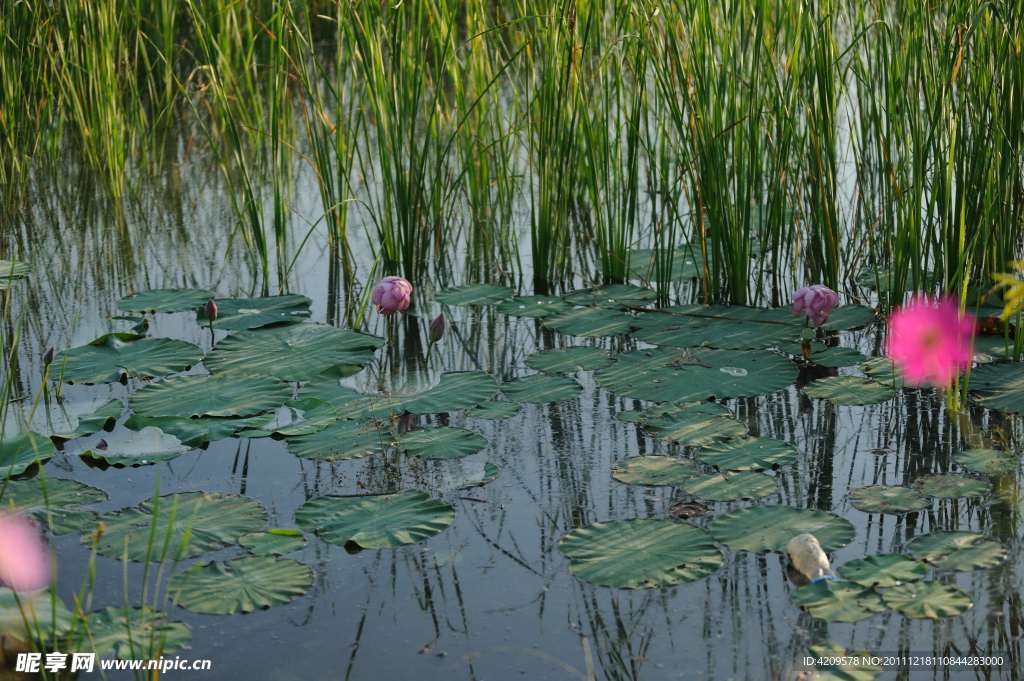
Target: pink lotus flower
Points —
{"points": [[930, 340], [24, 558], [392, 294], [816, 302]]}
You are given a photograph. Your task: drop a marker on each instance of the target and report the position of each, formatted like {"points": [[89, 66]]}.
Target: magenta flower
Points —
{"points": [[930, 340], [210, 310], [816, 302], [24, 558], [436, 329], [392, 294]]}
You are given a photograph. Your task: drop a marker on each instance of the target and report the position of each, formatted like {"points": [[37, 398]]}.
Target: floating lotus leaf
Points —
{"points": [[825, 356], [54, 502], [303, 416], [136, 448], [668, 375], [718, 326], [927, 600], [374, 407], [673, 409], [194, 432], [999, 386], [845, 665], [887, 499], [957, 550], [615, 295], [240, 585], [731, 486], [847, 317], [695, 424], [849, 390], [993, 348], [534, 307], [339, 442], [441, 443], [640, 554], [883, 570], [43, 611], [643, 264], [541, 389], [456, 391], [495, 410], [165, 300], [114, 355], [210, 396], [838, 600], [297, 352], [882, 370], [654, 470], [993, 462], [567, 361], [329, 389], [20, 452], [477, 476], [769, 528], [69, 420], [474, 294], [134, 633], [591, 322], [748, 454], [215, 520], [375, 522], [241, 314], [274, 542], [952, 486]]}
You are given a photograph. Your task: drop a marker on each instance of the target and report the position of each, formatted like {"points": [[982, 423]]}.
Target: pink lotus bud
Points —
{"points": [[210, 309], [436, 329], [24, 558], [392, 294], [816, 302], [48, 357]]}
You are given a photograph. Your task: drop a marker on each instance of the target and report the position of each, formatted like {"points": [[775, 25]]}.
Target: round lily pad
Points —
{"points": [[541, 389], [454, 392], [591, 322], [198, 432], [769, 528], [882, 370], [474, 294], [718, 326], [654, 470], [567, 361], [693, 424], [274, 542], [614, 295], [114, 355], [165, 300], [134, 633], [731, 486], [957, 550], [495, 410], [838, 600], [534, 307], [999, 386], [748, 454], [210, 396], [136, 448], [884, 570], [54, 502], [645, 553], [848, 317], [836, 663], [993, 462], [375, 522], [825, 356], [849, 390], [25, 615], [887, 499], [951, 486], [22, 451], [339, 442], [303, 416], [927, 600], [242, 585], [240, 314], [441, 443]]}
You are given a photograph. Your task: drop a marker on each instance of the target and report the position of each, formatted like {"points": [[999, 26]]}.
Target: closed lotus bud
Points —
{"points": [[807, 557], [210, 309], [437, 328], [48, 357]]}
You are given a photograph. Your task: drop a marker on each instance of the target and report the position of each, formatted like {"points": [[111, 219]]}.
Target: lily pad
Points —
{"points": [[441, 443], [541, 389], [591, 322], [67, 420], [240, 585], [240, 314], [339, 442], [456, 391], [297, 352], [825, 356], [198, 432], [957, 550], [136, 448], [474, 294], [999, 386], [952, 486], [495, 410], [534, 307], [329, 389], [927, 600], [769, 528], [887, 499], [274, 542], [838, 600], [569, 360], [849, 317], [134, 633], [165, 300], [883, 570], [882, 370], [836, 663], [210, 396], [614, 295], [849, 390], [303, 416], [19, 453], [694, 424], [640, 554], [748, 454], [44, 612], [993, 462], [54, 502], [114, 355], [654, 470], [375, 522], [718, 326], [731, 486]]}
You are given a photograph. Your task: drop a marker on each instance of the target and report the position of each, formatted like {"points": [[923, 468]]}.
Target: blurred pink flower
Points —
{"points": [[392, 294], [436, 329], [24, 558], [816, 302], [930, 340]]}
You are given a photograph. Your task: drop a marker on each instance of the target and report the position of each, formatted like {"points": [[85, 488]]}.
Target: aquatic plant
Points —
{"points": [[930, 341], [816, 302], [392, 294]]}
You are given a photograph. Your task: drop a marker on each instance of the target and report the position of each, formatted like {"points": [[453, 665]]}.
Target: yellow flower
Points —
{"points": [[1013, 296]]}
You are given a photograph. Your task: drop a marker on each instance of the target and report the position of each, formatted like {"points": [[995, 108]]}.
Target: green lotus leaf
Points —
{"points": [[55, 502], [534, 307], [643, 264], [476, 476], [993, 462], [456, 391], [339, 442], [654, 470], [611, 296], [731, 486], [952, 486], [241, 314], [849, 390], [640, 554], [887, 499], [718, 326], [134, 633], [20, 452], [474, 294], [329, 389], [884, 570], [495, 410], [210, 396], [769, 528], [297, 352], [198, 432], [441, 443], [375, 522], [839, 664], [849, 317], [541, 389], [927, 600], [673, 409], [165, 300], [694, 424], [273, 542], [374, 407], [825, 356], [136, 448], [838, 600], [42, 611], [591, 322], [567, 361], [748, 454], [882, 370], [999, 386], [303, 416], [114, 355], [63, 420], [957, 550], [215, 520], [989, 349], [241, 585]]}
